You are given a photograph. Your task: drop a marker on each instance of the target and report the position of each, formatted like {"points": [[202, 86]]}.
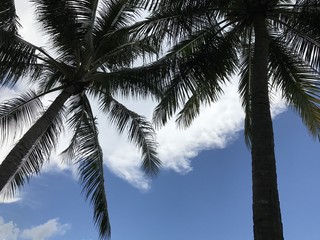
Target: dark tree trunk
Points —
{"points": [[13, 160], [266, 205]]}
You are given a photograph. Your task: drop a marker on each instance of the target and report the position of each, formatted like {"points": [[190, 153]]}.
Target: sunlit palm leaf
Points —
{"points": [[17, 114]]}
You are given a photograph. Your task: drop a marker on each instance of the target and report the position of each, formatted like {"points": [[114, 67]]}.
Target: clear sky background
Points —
{"points": [[202, 192]]}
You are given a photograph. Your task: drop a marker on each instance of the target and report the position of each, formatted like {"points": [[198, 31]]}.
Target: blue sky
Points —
{"points": [[202, 192]]}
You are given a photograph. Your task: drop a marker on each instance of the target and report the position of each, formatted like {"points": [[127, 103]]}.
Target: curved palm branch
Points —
{"points": [[139, 131], [85, 151]]}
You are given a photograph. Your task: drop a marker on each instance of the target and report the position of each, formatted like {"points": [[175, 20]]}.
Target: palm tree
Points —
{"points": [[271, 44], [92, 50]]}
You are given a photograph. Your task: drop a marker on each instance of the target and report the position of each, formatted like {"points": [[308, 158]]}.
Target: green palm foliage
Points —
{"points": [[91, 53], [270, 44]]}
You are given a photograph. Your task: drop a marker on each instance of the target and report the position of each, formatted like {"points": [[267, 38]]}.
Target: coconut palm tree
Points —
{"points": [[90, 55], [270, 44]]}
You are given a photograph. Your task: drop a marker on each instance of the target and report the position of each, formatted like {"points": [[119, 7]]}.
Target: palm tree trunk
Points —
{"points": [[266, 205], [15, 157]]}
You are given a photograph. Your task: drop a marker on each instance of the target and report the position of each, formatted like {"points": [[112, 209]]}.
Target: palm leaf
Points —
{"points": [[199, 65], [85, 151], [32, 163], [9, 20], [17, 58], [66, 22], [139, 131], [139, 82], [302, 31], [24, 109], [298, 82]]}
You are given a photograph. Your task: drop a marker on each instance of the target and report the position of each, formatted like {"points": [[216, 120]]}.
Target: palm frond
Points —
{"points": [[114, 15], [199, 65], [302, 31], [139, 131], [298, 82], [139, 82], [121, 52], [85, 151], [18, 113], [33, 161], [9, 20], [66, 22], [17, 58]]}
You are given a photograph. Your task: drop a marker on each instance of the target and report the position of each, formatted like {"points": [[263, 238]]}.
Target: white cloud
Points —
{"points": [[214, 128], [46, 230], [10, 231]]}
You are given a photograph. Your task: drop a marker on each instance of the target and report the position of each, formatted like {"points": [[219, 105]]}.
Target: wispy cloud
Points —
{"points": [[10, 230]]}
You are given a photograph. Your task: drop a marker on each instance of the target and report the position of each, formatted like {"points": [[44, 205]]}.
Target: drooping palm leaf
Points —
{"points": [[139, 132], [299, 84], [85, 151]]}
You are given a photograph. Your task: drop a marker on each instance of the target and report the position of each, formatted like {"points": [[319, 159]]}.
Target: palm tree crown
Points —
{"points": [[271, 44], [92, 50]]}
